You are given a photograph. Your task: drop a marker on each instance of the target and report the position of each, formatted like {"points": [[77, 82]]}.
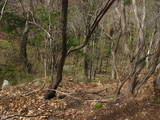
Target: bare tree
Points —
{"points": [[52, 93], [23, 48], [61, 63], [24, 39], [138, 61]]}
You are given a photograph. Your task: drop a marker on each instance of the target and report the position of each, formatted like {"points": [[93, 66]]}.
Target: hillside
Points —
{"points": [[26, 102]]}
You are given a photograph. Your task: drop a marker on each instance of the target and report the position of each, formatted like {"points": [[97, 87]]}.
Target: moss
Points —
{"points": [[5, 44], [98, 106]]}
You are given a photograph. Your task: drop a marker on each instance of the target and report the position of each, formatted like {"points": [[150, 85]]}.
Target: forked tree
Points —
{"points": [[65, 51], [140, 56]]}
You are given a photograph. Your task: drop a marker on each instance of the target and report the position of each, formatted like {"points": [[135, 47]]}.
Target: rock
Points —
{"points": [[5, 84]]}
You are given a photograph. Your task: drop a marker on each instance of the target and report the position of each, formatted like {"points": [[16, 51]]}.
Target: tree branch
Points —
{"points": [[3, 8], [93, 26], [43, 29]]}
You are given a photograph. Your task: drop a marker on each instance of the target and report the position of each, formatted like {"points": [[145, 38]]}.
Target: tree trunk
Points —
{"points": [[157, 87], [86, 63], [52, 93], [23, 48], [139, 60]]}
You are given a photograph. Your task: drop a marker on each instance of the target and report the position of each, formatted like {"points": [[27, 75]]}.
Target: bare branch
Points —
{"points": [[140, 26], [2, 10], [67, 94], [35, 91], [21, 4], [136, 13], [43, 29], [152, 70], [93, 26], [109, 99]]}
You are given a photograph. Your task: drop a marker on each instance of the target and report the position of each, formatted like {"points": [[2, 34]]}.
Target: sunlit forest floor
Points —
{"points": [[82, 101]]}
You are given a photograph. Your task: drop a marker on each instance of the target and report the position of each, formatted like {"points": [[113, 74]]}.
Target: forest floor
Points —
{"points": [[83, 101]]}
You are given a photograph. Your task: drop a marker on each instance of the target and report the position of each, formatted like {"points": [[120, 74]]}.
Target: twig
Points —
{"points": [[35, 91], [67, 94], [154, 104], [101, 100], [29, 83], [42, 28], [93, 26], [97, 92], [87, 100], [2, 10]]}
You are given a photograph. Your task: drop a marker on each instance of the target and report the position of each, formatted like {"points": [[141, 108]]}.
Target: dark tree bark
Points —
{"points": [[64, 53], [98, 18], [23, 48], [86, 63], [52, 93], [156, 86]]}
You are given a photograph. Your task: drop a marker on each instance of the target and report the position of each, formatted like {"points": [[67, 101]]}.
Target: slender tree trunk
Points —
{"points": [[139, 54], [86, 62], [52, 93], [157, 87], [23, 48]]}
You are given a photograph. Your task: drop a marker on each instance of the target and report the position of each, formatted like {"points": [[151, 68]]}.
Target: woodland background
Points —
{"points": [[89, 55]]}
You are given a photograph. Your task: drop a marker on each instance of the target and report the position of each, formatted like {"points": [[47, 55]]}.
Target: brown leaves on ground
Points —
{"points": [[26, 102]]}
